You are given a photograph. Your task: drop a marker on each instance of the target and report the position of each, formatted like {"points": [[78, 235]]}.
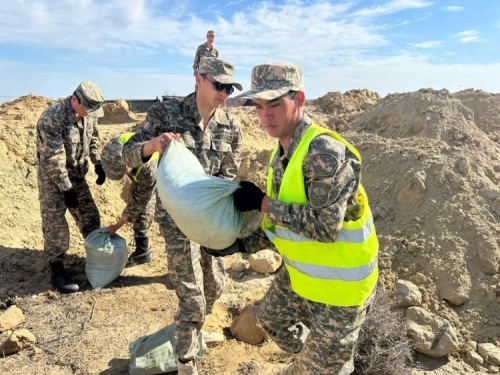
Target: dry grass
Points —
{"points": [[383, 348]]}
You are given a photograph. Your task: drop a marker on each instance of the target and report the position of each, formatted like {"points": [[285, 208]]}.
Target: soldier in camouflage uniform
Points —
{"points": [[206, 49], [321, 336], [66, 136], [141, 203], [214, 136]]}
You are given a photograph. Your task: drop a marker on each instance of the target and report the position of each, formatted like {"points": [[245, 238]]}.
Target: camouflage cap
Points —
{"points": [[272, 80], [91, 97], [221, 70], [210, 32], [111, 159]]}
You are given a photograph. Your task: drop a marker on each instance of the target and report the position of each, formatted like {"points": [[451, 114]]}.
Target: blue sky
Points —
{"points": [[145, 48]]}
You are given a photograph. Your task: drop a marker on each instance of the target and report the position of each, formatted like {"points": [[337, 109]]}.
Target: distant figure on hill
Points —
{"points": [[66, 137], [140, 208], [206, 49]]}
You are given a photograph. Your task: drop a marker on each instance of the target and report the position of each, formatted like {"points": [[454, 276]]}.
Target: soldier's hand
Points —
{"points": [[71, 198], [162, 141], [101, 175], [248, 197], [236, 247]]}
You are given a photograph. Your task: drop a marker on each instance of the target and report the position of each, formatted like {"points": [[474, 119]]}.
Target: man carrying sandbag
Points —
{"points": [[140, 207], [66, 137], [317, 216], [214, 136]]}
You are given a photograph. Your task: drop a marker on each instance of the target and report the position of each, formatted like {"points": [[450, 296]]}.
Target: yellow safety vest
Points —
{"points": [[340, 273], [123, 139]]}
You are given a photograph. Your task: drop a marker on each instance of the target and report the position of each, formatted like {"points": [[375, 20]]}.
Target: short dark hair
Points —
{"points": [[292, 94], [77, 98]]}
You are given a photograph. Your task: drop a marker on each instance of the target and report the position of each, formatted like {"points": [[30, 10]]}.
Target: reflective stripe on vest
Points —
{"points": [[341, 273], [345, 235], [333, 273], [123, 139]]}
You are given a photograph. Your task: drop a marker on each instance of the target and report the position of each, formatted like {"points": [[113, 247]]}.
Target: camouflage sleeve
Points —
{"points": [[330, 182], [216, 52], [94, 144], [51, 155], [257, 241], [157, 122], [144, 191], [197, 56], [231, 161]]}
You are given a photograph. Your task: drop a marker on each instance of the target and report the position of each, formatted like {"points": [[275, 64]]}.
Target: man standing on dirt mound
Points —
{"points": [[66, 136], [141, 204], [206, 49], [318, 218], [214, 137]]}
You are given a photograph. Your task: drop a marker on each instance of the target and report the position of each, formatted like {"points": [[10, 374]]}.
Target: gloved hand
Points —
{"points": [[248, 197], [101, 175], [236, 247], [71, 198]]}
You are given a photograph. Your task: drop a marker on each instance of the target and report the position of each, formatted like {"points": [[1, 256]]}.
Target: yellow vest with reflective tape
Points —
{"points": [[123, 139], [340, 273]]}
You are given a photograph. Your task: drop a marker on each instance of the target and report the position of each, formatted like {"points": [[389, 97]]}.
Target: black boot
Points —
{"points": [[141, 254], [60, 280]]}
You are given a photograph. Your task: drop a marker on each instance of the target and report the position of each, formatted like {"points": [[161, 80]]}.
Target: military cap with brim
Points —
{"points": [[91, 97], [111, 159], [221, 70], [272, 80], [210, 32]]}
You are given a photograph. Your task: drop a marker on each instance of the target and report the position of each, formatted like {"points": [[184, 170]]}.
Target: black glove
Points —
{"points": [[71, 198], [248, 197], [236, 247], [101, 175]]}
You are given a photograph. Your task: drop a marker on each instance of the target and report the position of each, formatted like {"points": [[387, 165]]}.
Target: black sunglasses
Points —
{"points": [[222, 86]]}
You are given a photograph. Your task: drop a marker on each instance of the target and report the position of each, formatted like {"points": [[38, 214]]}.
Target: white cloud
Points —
{"points": [[453, 8], [468, 36], [428, 44], [339, 51], [392, 6]]}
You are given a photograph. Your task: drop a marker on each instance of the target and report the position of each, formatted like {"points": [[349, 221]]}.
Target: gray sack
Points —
{"points": [[106, 257], [155, 354], [201, 205]]}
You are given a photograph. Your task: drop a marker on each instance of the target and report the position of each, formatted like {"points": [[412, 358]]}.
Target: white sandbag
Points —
{"points": [[106, 257], [155, 354], [201, 205]]}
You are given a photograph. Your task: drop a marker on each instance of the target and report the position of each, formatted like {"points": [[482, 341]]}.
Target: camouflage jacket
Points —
{"points": [[143, 192], [64, 144], [331, 177], [204, 51], [217, 146]]}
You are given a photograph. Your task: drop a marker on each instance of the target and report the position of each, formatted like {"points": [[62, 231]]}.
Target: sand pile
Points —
{"points": [[118, 112], [341, 107], [432, 176], [486, 108]]}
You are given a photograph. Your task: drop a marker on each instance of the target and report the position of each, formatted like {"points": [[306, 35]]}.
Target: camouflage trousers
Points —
{"points": [[199, 281], [142, 222], [321, 337], [52, 208]]}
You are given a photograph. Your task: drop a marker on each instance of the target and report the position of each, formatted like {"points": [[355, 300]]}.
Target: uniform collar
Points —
{"points": [[301, 128]]}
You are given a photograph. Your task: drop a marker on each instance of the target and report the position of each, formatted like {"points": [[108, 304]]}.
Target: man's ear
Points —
{"points": [[301, 98]]}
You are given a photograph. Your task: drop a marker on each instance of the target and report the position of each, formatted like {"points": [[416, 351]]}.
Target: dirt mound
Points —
{"points": [[118, 113], [341, 107], [486, 108], [26, 109], [432, 176]]}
